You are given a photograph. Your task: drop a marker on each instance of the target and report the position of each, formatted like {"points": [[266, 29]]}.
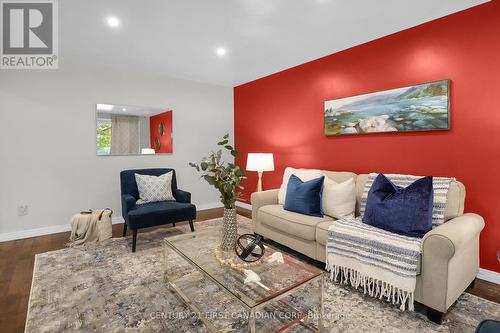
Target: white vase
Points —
{"points": [[229, 233]]}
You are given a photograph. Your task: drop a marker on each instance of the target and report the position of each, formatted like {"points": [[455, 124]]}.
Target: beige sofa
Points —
{"points": [[450, 255]]}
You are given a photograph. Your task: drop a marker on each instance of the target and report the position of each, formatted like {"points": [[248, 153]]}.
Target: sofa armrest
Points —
{"points": [[450, 237], [263, 198], [182, 196], [450, 260], [269, 197], [128, 204]]}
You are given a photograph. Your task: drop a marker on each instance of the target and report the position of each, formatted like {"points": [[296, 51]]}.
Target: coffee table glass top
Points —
{"points": [[276, 278]]}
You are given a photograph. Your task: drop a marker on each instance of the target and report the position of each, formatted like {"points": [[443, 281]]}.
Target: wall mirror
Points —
{"points": [[133, 130]]}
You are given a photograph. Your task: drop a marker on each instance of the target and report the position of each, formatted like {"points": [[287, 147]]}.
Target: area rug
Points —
{"points": [[107, 288]]}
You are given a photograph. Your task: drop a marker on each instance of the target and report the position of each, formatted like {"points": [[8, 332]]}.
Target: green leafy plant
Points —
{"points": [[224, 177], [103, 136]]}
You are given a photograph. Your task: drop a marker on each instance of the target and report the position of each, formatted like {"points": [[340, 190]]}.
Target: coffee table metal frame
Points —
{"points": [[251, 309]]}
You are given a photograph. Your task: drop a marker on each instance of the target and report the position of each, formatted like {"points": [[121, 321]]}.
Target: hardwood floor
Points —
{"points": [[16, 268], [17, 259], [487, 290]]}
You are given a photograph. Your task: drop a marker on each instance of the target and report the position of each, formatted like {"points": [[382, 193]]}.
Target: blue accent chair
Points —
{"points": [[488, 326], [155, 213]]}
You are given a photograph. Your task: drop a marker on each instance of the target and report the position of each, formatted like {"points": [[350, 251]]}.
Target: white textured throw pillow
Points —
{"points": [[303, 174], [154, 188], [339, 199]]}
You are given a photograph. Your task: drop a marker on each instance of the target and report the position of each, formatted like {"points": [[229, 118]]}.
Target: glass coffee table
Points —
{"points": [[288, 297]]}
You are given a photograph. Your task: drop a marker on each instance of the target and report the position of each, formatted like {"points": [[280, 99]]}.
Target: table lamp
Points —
{"points": [[260, 162]]}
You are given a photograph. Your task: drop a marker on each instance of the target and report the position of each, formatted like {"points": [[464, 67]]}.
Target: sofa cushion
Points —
{"points": [[404, 211], [339, 176], [303, 174], [322, 237], [295, 224], [454, 200], [339, 198], [154, 188], [304, 197], [158, 213]]}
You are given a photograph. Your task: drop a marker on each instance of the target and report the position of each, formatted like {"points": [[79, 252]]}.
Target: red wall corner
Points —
{"points": [[166, 146]]}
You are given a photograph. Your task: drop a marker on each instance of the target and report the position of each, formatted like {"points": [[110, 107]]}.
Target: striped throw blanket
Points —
{"points": [[382, 262]]}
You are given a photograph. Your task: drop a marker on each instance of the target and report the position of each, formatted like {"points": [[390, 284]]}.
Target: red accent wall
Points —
{"points": [[165, 140], [283, 113]]}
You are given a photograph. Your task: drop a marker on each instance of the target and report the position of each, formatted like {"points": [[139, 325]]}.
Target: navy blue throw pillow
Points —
{"points": [[304, 197], [405, 211]]}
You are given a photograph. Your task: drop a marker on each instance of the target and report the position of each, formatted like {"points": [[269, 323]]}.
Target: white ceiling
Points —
{"points": [[179, 37]]}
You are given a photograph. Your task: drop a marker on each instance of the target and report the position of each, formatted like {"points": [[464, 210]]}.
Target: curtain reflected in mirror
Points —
{"points": [[133, 130]]}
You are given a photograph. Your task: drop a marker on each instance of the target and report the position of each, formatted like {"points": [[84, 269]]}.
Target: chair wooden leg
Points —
{"points": [[173, 224], [435, 315], [134, 239], [471, 285], [191, 225], [124, 229]]}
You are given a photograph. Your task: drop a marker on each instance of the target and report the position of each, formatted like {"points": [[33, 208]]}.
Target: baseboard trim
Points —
{"points": [[55, 229], [489, 276], [208, 206], [8, 236], [243, 205], [117, 220]]}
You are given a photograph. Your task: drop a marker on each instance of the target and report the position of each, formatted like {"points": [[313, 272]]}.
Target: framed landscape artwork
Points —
{"points": [[422, 107]]}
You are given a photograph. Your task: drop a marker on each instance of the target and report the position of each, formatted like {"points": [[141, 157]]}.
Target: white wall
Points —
{"points": [[144, 134], [47, 139]]}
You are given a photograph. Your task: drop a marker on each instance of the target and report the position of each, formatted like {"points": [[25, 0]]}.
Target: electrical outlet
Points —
{"points": [[22, 210]]}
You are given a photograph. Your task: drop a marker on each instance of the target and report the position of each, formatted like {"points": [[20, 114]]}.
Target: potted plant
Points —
{"points": [[226, 178]]}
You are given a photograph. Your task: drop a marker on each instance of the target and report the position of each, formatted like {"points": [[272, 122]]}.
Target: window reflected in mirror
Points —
{"points": [[133, 130]]}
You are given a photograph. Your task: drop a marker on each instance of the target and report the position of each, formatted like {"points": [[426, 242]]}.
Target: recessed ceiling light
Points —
{"points": [[124, 109], [113, 21], [221, 51], [104, 107]]}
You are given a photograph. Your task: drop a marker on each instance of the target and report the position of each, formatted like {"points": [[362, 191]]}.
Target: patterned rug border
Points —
{"points": [[31, 288]]}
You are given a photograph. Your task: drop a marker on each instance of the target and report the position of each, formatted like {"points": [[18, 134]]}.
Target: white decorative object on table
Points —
{"points": [[250, 276], [276, 257]]}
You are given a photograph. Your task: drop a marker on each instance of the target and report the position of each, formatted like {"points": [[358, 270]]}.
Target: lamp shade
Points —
{"points": [[260, 162]]}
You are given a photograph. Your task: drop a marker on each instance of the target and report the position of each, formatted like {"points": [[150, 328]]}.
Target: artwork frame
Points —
{"points": [[415, 108]]}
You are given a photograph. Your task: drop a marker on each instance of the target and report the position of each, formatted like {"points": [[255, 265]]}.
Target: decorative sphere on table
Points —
{"points": [[249, 247]]}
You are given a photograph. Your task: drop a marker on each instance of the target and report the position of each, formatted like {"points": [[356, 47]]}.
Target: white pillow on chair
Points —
{"points": [[339, 199], [154, 188], [303, 174]]}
